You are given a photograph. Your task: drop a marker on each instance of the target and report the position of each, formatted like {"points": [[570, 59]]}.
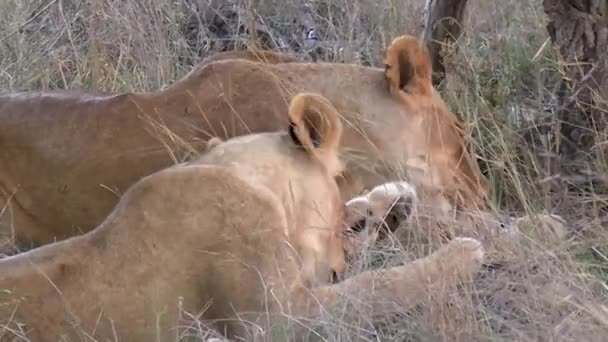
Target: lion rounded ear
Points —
{"points": [[407, 66], [314, 124]]}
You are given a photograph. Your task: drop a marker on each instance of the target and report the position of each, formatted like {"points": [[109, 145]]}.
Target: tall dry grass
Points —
{"points": [[500, 82]]}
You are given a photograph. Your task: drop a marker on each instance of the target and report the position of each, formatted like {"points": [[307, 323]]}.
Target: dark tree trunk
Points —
{"points": [[441, 27], [579, 31]]}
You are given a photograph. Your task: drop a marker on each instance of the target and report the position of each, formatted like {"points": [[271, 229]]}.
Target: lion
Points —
{"points": [[250, 231], [68, 157]]}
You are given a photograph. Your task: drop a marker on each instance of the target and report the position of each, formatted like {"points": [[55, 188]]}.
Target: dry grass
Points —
{"points": [[501, 83]]}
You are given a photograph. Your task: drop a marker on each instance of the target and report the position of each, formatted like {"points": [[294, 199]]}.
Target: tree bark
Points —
{"points": [[579, 31], [441, 27]]}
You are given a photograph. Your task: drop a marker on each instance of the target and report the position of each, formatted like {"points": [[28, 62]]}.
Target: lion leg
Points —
{"points": [[543, 228], [395, 289]]}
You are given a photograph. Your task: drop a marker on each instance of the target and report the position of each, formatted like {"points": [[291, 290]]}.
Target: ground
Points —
{"points": [[500, 82]]}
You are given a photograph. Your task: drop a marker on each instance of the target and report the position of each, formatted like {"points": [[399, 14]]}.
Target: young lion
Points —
{"points": [[249, 232], [67, 157]]}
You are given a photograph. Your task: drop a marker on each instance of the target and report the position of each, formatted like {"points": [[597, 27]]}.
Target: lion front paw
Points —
{"points": [[469, 248], [459, 257], [544, 228], [387, 205]]}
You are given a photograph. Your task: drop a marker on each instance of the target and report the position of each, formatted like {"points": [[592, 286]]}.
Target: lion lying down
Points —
{"points": [[250, 231], [67, 157]]}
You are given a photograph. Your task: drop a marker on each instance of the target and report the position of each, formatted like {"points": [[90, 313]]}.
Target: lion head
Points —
{"points": [[301, 170], [444, 162]]}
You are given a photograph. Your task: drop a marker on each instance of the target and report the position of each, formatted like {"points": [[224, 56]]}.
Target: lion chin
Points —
{"points": [[249, 233], [93, 147]]}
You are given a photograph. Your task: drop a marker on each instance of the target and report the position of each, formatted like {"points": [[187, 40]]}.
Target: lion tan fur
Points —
{"points": [[67, 157], [262, 56], [250, 231]]}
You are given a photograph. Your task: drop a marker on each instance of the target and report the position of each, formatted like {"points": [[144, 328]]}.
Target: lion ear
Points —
{"points": [[407, 66], [316, 126]]}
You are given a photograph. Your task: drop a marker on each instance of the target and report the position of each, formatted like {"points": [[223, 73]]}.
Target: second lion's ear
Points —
{"points": [[315, 125], [407, 66]]}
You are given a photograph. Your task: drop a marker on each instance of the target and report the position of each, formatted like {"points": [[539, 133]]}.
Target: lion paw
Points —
{"points": [[545, 228], [390, 203], [468, 246]]}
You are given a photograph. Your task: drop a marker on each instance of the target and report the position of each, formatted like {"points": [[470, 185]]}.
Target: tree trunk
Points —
{"points": [[441, 27], [579, 31]]}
